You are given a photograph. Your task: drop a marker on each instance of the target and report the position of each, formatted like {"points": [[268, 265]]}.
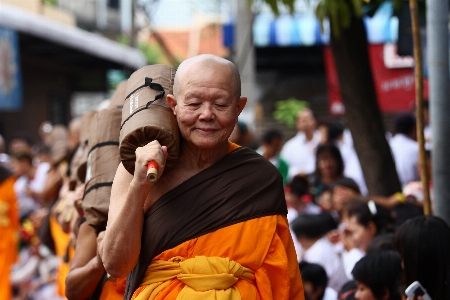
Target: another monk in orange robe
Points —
{"points": [[9, 224], [214, 225]]}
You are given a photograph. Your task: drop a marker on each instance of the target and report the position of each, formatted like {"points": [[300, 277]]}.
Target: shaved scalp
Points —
{"points": [[207, 60]]}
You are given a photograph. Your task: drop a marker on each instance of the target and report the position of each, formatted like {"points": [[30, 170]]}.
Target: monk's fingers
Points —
{"points": [[153, 151]]}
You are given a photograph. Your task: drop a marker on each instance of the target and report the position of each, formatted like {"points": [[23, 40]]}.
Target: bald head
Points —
{"points": [[207, 61]]}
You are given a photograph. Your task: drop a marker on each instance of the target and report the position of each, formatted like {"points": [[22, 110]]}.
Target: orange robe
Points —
{"points": [[9, 224], [113, 289], [62, 241], [263, 245]]}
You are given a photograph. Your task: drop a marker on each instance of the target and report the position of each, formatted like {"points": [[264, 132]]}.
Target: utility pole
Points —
{"points": [[133, 24], [438, 75], [244, 56], [427, 209]]}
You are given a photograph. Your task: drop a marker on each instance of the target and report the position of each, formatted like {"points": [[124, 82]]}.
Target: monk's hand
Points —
{"points": [[153, 151]]}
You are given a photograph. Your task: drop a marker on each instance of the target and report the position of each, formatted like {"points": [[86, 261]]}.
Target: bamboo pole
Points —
{"points": [[419, 104]]}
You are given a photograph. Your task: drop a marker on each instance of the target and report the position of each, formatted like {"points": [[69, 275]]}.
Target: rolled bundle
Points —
{"points": [[86, 120], [102, 162], [59, 145], [146, 115], [118, 97]]}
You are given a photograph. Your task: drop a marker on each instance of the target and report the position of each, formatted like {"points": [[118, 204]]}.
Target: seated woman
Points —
{"points": [[329, 168], [365, 220], [378, 276], [424, 246]]}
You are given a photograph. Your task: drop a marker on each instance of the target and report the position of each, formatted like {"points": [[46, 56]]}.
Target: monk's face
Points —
{"points": [[206, 105]]}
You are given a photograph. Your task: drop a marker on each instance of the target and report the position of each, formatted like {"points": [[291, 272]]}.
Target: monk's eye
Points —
{"points": [[194, 104]]}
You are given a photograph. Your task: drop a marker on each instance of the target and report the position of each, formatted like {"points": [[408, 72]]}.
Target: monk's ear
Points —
{"points": [[172, 102], [241, 104]]}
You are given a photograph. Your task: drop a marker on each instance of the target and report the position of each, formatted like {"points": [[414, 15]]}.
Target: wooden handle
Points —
{"points": [[152, 171]]}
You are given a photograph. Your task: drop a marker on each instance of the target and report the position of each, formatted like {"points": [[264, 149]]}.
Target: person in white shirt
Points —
{"points": [[299, 201], [310, 231], [405, 149], [342, 138], [300, 151], [30, 182]]}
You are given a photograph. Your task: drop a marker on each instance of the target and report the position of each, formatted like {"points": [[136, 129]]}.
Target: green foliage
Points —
{"points": [[51, 2], [286, 110], [152, 53], [123, 39], [274, 4]]}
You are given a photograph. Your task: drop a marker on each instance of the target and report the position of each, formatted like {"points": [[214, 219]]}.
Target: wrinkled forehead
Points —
{"points": [[207, 73]]}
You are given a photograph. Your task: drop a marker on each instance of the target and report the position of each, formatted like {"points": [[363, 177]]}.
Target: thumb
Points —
{"points": [[165, 153]]}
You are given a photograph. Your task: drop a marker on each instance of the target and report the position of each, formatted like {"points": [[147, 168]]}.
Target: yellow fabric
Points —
{"points": [[205, 278], [62, 241], [9, 224]]}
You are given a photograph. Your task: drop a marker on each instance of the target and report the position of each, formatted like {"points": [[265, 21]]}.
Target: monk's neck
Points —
{"points": [[200, 158]]}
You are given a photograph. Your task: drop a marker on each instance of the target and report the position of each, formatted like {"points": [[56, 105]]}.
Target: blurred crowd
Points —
{"points": [[349, 244], [36, 240]]}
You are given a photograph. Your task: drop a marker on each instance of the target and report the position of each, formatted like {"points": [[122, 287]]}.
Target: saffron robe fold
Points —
{"points": [[240, 191]]}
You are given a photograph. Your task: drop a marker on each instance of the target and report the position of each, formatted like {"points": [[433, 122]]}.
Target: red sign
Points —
{"points": [[395, 87]]}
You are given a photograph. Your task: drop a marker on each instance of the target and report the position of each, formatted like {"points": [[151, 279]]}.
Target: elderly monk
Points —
{"points": [[214, 225]]}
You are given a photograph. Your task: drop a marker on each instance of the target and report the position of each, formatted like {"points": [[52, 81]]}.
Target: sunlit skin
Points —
{"points": [[206, 111]]}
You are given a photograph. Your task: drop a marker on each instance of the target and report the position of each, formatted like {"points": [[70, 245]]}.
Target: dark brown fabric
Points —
{"points": [[241, 186], [142, 124], [102, 162]]}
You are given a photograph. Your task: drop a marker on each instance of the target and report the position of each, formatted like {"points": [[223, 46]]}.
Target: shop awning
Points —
{"points": [[70, 37]]}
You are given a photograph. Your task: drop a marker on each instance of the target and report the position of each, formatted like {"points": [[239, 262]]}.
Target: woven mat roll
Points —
{"points": [[102, 162], [144, 120]]}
